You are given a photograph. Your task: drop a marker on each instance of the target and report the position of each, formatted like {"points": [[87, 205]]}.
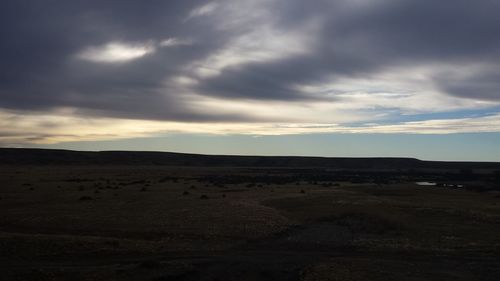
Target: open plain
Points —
{"points": [[132, 222]]}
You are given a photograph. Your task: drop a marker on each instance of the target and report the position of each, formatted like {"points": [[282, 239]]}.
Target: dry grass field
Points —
{"points": [[219, 223]]}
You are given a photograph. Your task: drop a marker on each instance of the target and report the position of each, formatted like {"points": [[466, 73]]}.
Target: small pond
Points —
{"points": [[426, 183]]}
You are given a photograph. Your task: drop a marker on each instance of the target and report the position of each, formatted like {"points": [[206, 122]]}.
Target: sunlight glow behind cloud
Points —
{"points": [[116, 52], [48, 129]]}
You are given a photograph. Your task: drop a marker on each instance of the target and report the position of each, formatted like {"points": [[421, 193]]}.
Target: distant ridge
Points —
{"points": [[44, 157]]}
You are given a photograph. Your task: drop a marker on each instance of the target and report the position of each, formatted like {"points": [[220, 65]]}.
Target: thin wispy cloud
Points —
{"points": [[203, 10], [43, 129], [175, 42]]}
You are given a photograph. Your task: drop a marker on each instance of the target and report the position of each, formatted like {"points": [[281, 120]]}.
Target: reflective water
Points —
{"points": [[426, 183]]}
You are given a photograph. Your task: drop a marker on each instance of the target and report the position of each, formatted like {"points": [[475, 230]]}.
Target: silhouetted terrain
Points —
{"points": [[68, 215], [13, 156]]}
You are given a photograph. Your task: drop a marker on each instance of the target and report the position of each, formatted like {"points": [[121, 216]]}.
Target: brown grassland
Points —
{"points": [[229, 223]]}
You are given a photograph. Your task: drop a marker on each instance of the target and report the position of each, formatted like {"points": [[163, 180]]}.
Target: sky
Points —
{"points": [[402, 78]]}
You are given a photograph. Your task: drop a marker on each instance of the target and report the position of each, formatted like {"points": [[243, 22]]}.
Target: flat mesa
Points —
{"points": [[426, 183]]}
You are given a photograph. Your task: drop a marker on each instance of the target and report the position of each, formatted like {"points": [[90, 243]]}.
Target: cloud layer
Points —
{"points": [[242, 62]]}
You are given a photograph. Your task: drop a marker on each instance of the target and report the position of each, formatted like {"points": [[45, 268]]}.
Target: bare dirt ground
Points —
{"points": [[177, 223]]}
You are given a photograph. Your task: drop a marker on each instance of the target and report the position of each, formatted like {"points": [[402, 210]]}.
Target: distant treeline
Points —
{"points": [[21, 156]]}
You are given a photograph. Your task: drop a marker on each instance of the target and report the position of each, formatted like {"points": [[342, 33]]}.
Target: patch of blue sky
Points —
{"points": [[394, 116], [448, 147]]}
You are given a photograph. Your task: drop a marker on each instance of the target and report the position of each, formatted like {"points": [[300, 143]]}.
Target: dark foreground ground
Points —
{"points": [[199, 223]]}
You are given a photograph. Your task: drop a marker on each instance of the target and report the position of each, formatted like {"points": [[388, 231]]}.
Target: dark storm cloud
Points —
{"points": [[39, 71], [455, 32], [276, 80], [362, 38], [449, 29], [40, 39], [482, 85]]}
